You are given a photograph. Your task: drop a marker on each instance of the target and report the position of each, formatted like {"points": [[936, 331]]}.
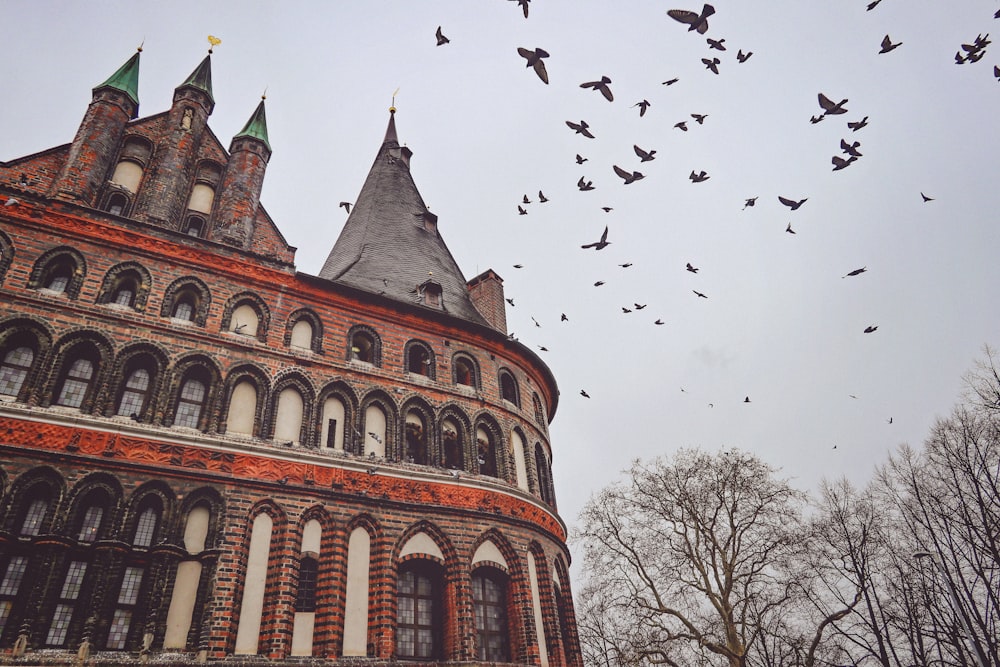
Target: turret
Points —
{"points": [[239, 194], [92, 153], [164, 196]]}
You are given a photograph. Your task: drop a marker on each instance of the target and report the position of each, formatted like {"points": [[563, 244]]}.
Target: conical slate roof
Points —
{"points": [[390, 244], [126, 79], [256, 127], [201, 77]]}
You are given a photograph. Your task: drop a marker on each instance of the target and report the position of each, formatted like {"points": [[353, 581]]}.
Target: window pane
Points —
{"points": [[14, 370], [75, 385], [183, 311], [131, 581], [60, 625], [33, 518], [123, 297], [13, 576], [119, 629], [190, 404], [134, 396], [145, 527], [91, 524]]}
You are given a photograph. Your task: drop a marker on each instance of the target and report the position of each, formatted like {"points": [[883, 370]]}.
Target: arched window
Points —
{"points": [[57, 280], [332, 427], [544, 478], [539, 413], [486, 457], [242, 415], [191, 402], [464, 370], [288, 416], [14, 369], [67, 606], [416, 438], [60, 270], [184, 308], [363, 347], [135, 395], [419, 359], [302, 335], [244, 320], [489, 603], [305, 598], [126, 285], [145, 527], [374, 431], [194, 225], [117, 204], [76, 382], [508, 387], [419, 611], [451, 443], [188, 300], [304, 331], [34, 516]]}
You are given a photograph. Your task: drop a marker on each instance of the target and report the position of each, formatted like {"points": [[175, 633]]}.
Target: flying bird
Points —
{"points": [[692, 269], [682, 125], [543, 348], [524, 6], [794, 205], [607, 209], [750, 202], [872, 5], [580, 128], [440, 37], [510, 301], [346, 205], [563, 318], [598, 283], [850, 149], [695, 21], [699, 118], [887, 45], [628, 177], [712, 64], [519, 266], [699, 177], [926, 198], [643, 105], [584, 394], [599, 245], [580, 159], [375, 437], [789, 229], [658, 322], [639, 306], [534, 59], [816, 119], [716, 44], [520, 210], [857, 125], [840, 163], [831, 108], [584, 186], [743, 57], [856, 272], [542, 198], [535, 321], [699, 294], [525, 200], [746, 400], [870, 329], [601, 86], [625, 310], [625, 265], [644, 156], [670, 82]]}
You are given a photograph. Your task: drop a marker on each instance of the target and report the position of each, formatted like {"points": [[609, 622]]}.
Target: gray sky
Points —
{"points": [[780, 325]]}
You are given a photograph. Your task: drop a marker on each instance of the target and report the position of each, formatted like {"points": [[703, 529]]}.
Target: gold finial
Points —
{"points": [[140, 45], [264, 94], [392, 109], [213, 42]]}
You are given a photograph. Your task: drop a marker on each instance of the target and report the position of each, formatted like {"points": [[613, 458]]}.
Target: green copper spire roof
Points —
{"points": [[256, 127], [126, 79], [201, 77]]}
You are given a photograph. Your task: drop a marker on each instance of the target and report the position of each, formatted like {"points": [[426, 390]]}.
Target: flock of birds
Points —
{"points": [[698, 22]]}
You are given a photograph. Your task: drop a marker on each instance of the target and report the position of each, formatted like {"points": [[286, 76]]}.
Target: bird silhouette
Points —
{"points": [[580, 160], [639, 306], [625, 265], [625, 310], [996, 72], [585, 186], [607, 209], [858, 124], [692, 269], [510, 300], [855, 272], [643, 105], [712, 64], [816, 119], [658, 322], [543, 348], [926, 198], [601, 86], [871, 329], [441, 39], [750, 202], [682, 125], [598, 283], [746, 400], [850, 148], [520, 210], [535, 321], [872, 5], [628, 177], [519, 266], [889, 420], [542, 198], [699, 294], [831, 108], [840, 163], [699, 177], [716, 44], [525, 200], [789, 229], [580, 128], [563, 318], [670, 82], [599, 245], [887, 45], [695, 21], [584, 394], [534, 59], [524, 6], [699, 118], [346, 205], [644, 156], [375, 437], [792, 204], [743, 57], [372, 470]]}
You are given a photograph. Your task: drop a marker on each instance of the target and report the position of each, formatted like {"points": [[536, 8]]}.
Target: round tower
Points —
{"points": [[239, 195]]}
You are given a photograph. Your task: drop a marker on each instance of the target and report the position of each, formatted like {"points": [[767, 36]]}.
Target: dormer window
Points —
{"points": [[430, 294]]}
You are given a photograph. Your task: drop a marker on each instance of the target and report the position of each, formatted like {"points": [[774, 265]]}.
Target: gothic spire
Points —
{"points": [[126, 80]]}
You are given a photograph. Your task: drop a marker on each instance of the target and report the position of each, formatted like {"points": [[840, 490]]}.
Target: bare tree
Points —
{"points": [[692, 555]]}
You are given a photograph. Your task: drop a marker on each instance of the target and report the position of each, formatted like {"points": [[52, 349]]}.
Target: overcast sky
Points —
{"points": [[781, 325]]}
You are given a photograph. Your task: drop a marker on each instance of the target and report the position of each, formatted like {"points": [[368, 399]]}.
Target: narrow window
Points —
{"points": [[416, 439], [420, 360], [10, 585], [75, 385], [489, 601], [485, 453], [194, 226], [190, 404], [66, 603], [117, 204], [128, 595], [362, 348], [14, 370], [451, 444], [184, 308], [124, 296], [33, 518], [508, 388], [464, 373], [58, 280], [419, 610], [305, 600], [90, 527], [136, 393], [145, 527]]}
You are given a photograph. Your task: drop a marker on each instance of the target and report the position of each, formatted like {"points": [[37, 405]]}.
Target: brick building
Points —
{"points": [[207, 455]]}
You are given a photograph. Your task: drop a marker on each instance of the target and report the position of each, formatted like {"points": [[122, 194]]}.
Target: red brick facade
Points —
{"points": [[115, 433]]}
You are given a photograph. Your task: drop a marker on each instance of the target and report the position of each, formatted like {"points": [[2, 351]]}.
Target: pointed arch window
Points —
{"points": [[464, 369], [486, 458], [544, 478], [451, 443], [489, 602], [508, 387], [34, 517], [416, 438], [145, 527], [419, 611], [90, 525]]}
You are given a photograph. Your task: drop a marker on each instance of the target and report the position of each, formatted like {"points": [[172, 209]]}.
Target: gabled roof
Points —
{"points": [[390, 244]]}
